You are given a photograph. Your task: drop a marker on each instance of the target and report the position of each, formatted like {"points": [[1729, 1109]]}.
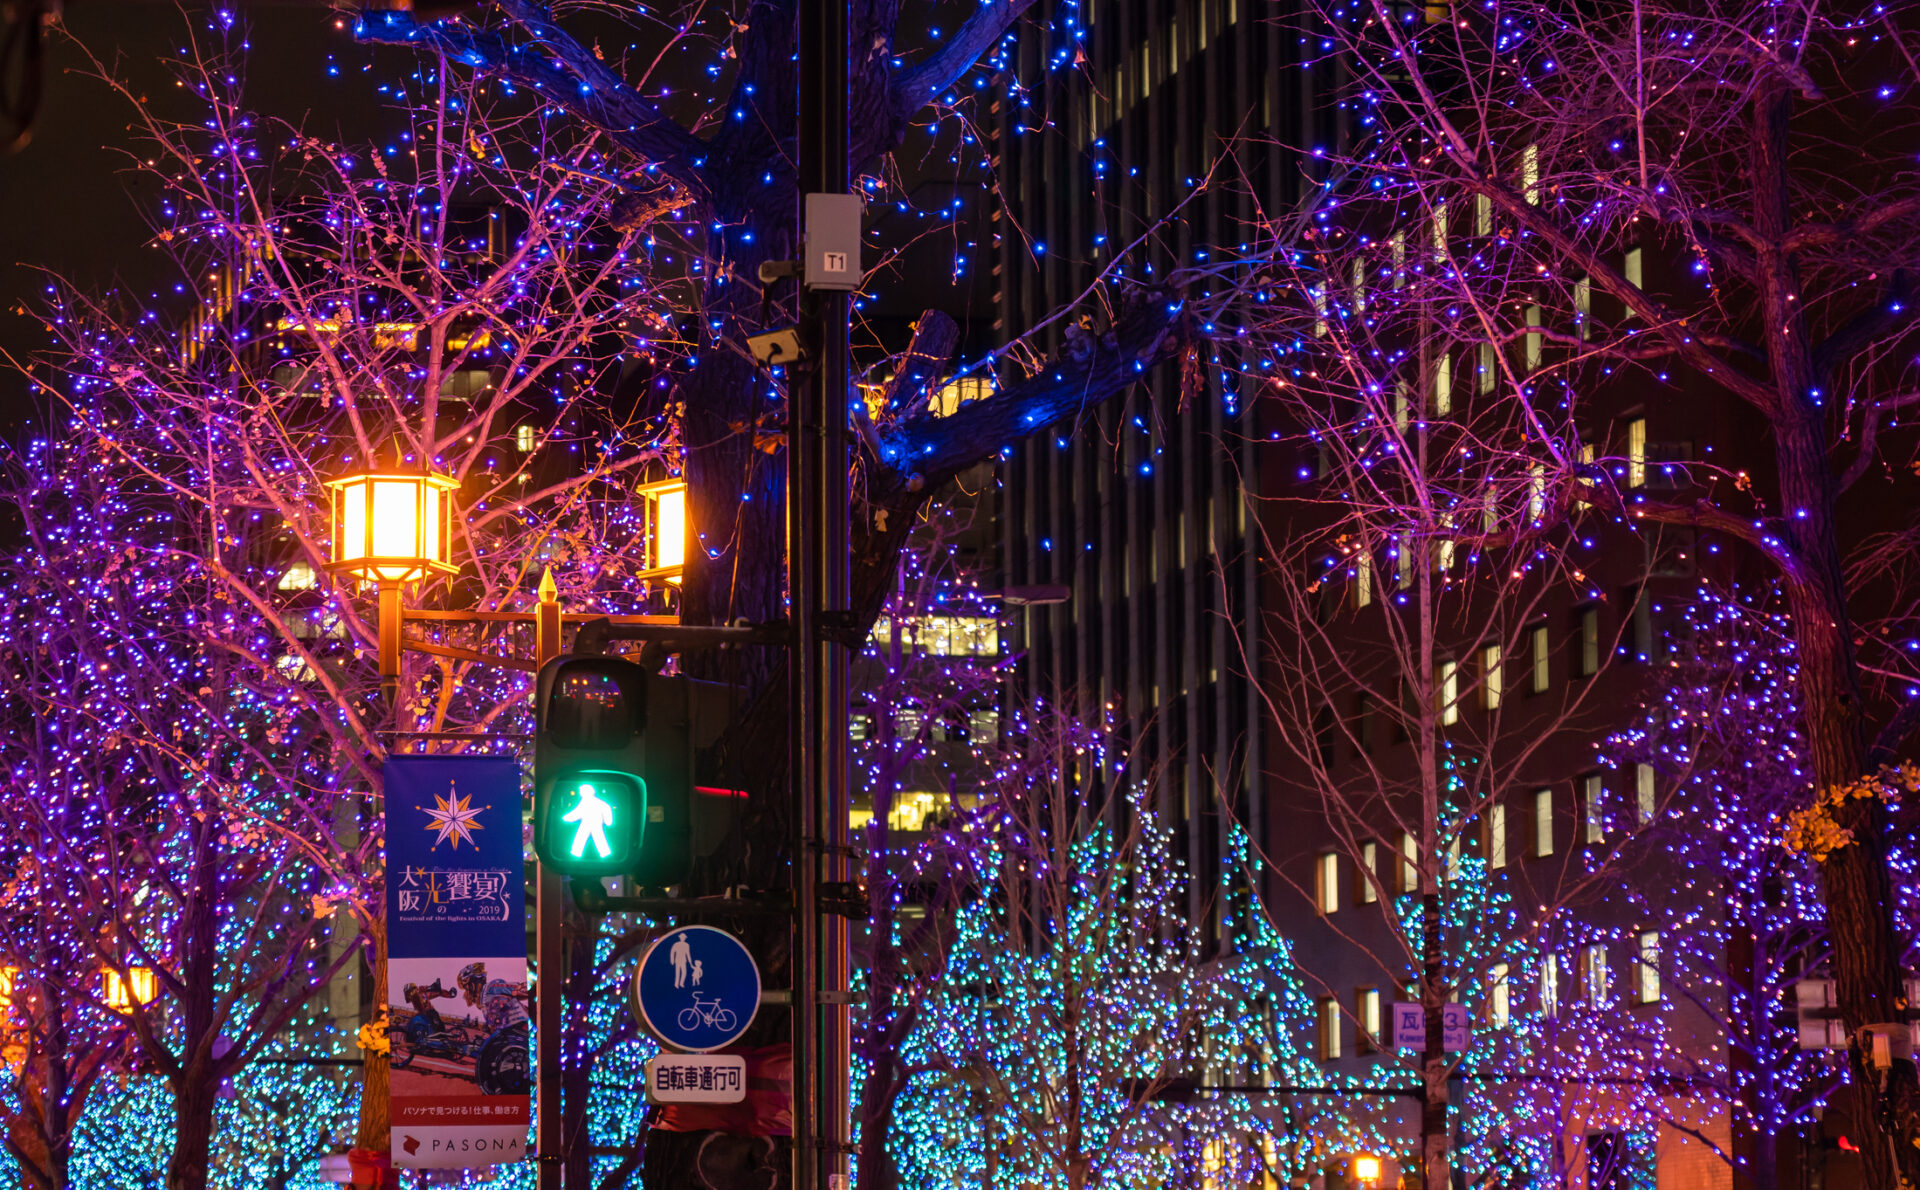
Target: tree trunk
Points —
{"points": [[1434, 1165], [1859, 890], [196, 1091]]}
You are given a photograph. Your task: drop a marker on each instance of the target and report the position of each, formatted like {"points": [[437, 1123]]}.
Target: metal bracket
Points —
{"points": [[595, 635], [844, 898], [593, 899], [839, 625]]}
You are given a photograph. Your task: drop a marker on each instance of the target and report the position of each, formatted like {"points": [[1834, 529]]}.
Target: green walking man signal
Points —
{"points": [[593, 817]]}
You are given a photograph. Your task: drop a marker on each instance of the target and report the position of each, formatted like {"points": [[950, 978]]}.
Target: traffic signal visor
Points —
{"points": [[592, 821]]}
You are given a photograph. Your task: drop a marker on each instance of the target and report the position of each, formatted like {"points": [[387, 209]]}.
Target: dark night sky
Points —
{"points": [[67, 203]]}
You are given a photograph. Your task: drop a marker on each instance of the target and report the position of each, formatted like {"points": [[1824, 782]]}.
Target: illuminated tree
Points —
{"points": [[1737, 907], [1689, 202], [1074, 993]]}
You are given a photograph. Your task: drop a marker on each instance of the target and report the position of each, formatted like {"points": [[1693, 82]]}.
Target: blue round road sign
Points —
{"points": [[697, 988]]}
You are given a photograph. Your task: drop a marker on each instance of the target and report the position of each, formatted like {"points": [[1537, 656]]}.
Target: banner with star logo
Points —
{"points": [[456, 989]]}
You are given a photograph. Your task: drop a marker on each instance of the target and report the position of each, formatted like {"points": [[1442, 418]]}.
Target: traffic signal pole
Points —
{"points": [[817, 575], [550, 1162]]}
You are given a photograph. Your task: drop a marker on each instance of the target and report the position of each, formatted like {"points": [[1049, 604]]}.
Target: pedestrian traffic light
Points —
{"points": [[612, 770], [590, 791]]}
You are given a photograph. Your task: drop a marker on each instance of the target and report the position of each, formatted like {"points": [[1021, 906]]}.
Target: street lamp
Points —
{"points": [[1366, 1169], [666, 528], [391, 529]]}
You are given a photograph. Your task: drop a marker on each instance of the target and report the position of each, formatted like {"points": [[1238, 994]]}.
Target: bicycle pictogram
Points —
{"points": [[707, 1013]]}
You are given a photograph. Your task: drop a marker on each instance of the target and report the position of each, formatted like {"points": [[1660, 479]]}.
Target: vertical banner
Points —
{"points": [[457, 961]]}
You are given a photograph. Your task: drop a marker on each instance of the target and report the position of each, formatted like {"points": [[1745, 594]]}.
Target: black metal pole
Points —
{"points": [[817, 501]]}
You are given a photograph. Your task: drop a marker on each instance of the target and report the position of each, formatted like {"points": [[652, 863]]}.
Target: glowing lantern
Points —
{"points": [[1366, 1169], [392, 528], [667, 522], [122, 992]]}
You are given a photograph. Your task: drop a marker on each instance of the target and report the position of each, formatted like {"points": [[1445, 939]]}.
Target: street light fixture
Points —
{"points": [[392, 528]]}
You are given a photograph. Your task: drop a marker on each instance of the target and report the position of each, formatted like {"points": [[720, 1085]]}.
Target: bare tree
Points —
{"points": [[1696, 200], [1431, 521]]}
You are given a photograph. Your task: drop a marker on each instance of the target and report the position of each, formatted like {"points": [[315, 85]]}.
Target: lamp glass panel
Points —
{"points": [[430, 545], [670, 528], [396, 518], [352, 519]]}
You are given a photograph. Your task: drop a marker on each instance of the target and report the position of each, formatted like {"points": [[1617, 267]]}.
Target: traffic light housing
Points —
{"points": [[613, 770]]}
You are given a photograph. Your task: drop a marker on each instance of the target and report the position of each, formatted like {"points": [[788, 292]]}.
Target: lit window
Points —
{"points": [[1328, 1016], [1403, 564], [1593, 976], [1364, 892], [1536, 492], [1367, 1013], [1327, 883], [1634, 267], [297, 577], [1550, 984], [1647, 979], [1493, 681], [1496, 836], [1499, 996], [1587, 626], [1482, 215], [1402, 404], [983, 727], [1319, 295], [1438, 231], [1530, 174], [1449, 692], [1454, 869], [1362, 579], [955, 393], [523, 439], [1541, 645], [1593, 800], [1443, 386], [1535, 341], [859, 727], [1487, 373], [1583, 307], [1643, 792], [1409, 862], [1359, 286], [1542, 822], [1397, 252], [1637, 452]]}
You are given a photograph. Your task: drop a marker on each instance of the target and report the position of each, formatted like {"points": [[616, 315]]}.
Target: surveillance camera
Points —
{"points": [[779, 346]]}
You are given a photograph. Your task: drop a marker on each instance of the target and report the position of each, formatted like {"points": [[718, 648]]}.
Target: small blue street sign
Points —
{"points": [[697, 988]]}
